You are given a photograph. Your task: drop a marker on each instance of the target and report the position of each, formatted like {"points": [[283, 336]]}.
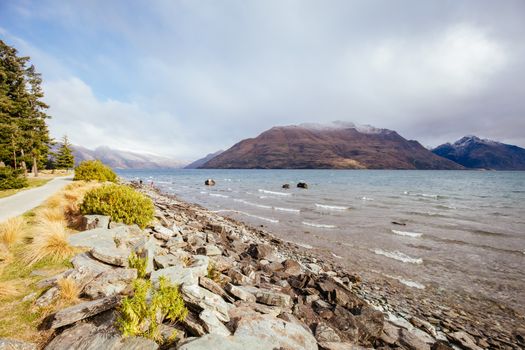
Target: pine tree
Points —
{"points": [[64, 158], [24, 136]]}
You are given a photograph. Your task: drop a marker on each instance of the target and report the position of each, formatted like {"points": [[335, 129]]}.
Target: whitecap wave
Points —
{"points": [[396, 255], [290, 210], [318, 225], [409, 283], [425, 195], [330, 207], [274, 221], [204, 192], [408, 234], [274, 193], [219, 195], [336, 256], [253, 204], [367, 199], [304, 245]]}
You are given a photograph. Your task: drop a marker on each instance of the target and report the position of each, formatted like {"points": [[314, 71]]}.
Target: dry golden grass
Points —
{"points": [[55, 201], [8, 289], [52, 214], [50, 240], [12, 230], [69, 291]]}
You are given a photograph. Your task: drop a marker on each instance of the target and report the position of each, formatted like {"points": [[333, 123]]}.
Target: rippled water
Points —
{"points": [[463, 229]]}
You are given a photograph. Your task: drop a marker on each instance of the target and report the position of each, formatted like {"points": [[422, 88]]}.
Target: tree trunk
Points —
{"points": [[35, 167], [23, 163], [14, 152]]}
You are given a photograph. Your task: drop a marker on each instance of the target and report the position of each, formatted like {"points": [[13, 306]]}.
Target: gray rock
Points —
{"points": [[339, 346], [464, 340], [162, 232], [239, 278], [90, 222], [47, 297], [177, 275], [193, 325], [222, 263], [164, 261], [212, 323], [324, 333], [240, 293], [13, 344], [81, 277], [270, 297], [110, 254], [209, 250], [411, 341], [170, 334], [176, 242], [198, 296], [221, 342], [87, 261], [280, 333], [97, 236], [110, 283], [263, 251], [214, 287], [83, 310]]}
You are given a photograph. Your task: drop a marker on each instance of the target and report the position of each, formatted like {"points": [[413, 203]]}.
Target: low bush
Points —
{"points": [[136, 262], [12, 230], [121, 203], [11, 179], [94, 170], [139, 314]]}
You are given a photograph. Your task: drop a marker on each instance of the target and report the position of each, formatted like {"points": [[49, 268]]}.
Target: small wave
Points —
{"points": [[274, 221], [219, 195], [336, 256], [290, 210], [274, 193], [367, 199], [204, 192], [331, 207], [425, 195], [445, 206], [396, 255], [253, 204], [408, 234], [318, 225], [409, 283], [304, 245]]}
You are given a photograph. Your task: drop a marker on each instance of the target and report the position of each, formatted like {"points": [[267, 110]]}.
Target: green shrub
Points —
{"points": [[136, 262], [138, 314], [121, 203], [94, 170], [11, 179]]}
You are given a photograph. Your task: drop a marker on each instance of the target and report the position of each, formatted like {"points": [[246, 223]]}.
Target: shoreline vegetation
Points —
{"points": [[71, 271]]}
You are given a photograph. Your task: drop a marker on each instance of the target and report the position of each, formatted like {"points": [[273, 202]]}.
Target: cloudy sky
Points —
{"points": [[188, 77]]}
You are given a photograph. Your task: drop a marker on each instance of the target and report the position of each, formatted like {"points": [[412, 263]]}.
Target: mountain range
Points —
{"points": [[340, 145], [199, 162], [476, 153], [119, 159]]}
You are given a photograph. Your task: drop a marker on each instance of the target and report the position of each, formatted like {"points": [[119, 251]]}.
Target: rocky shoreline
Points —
{"points": [[247, 289]]}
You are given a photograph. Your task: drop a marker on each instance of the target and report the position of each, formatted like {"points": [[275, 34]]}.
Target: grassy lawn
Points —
{"points": [[33, 182]]}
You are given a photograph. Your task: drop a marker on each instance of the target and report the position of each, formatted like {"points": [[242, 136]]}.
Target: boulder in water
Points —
{"points": [[302, 185], [209, 182], [286, 186]]}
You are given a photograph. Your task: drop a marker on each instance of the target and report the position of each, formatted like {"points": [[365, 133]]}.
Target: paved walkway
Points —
{"points": [[23, 201]]}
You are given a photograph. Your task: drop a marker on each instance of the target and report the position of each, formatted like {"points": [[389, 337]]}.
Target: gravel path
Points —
{"points": [[21, 202]]}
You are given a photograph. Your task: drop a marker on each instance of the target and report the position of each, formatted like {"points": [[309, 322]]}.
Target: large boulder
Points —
{"points": [[87, 261], [13, 344], [279, 333], [204, 299], [110, 283], [90, 222], [83, 310], [221, 342]]}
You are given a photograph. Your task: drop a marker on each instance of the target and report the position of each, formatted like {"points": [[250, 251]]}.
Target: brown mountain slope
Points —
{"points": [[303, 147]]}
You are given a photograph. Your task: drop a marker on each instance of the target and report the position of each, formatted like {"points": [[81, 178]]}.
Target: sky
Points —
{"points": [[183, 78]]}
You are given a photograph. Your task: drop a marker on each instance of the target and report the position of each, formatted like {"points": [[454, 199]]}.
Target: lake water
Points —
{"points": [[463, 229]]}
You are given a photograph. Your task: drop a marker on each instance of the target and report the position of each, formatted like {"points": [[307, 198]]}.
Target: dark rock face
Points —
{"points": [[302, 147], [473, 152]]}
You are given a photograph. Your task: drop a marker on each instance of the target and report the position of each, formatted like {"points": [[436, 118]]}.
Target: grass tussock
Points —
{"points": [[12, 230], [69, 291], [50, 215], [8, 289], [49, 241]]}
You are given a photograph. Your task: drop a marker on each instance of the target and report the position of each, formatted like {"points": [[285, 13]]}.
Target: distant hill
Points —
{"points": [[119, 159], [199, 162], [474, 152], [336, 146]]}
